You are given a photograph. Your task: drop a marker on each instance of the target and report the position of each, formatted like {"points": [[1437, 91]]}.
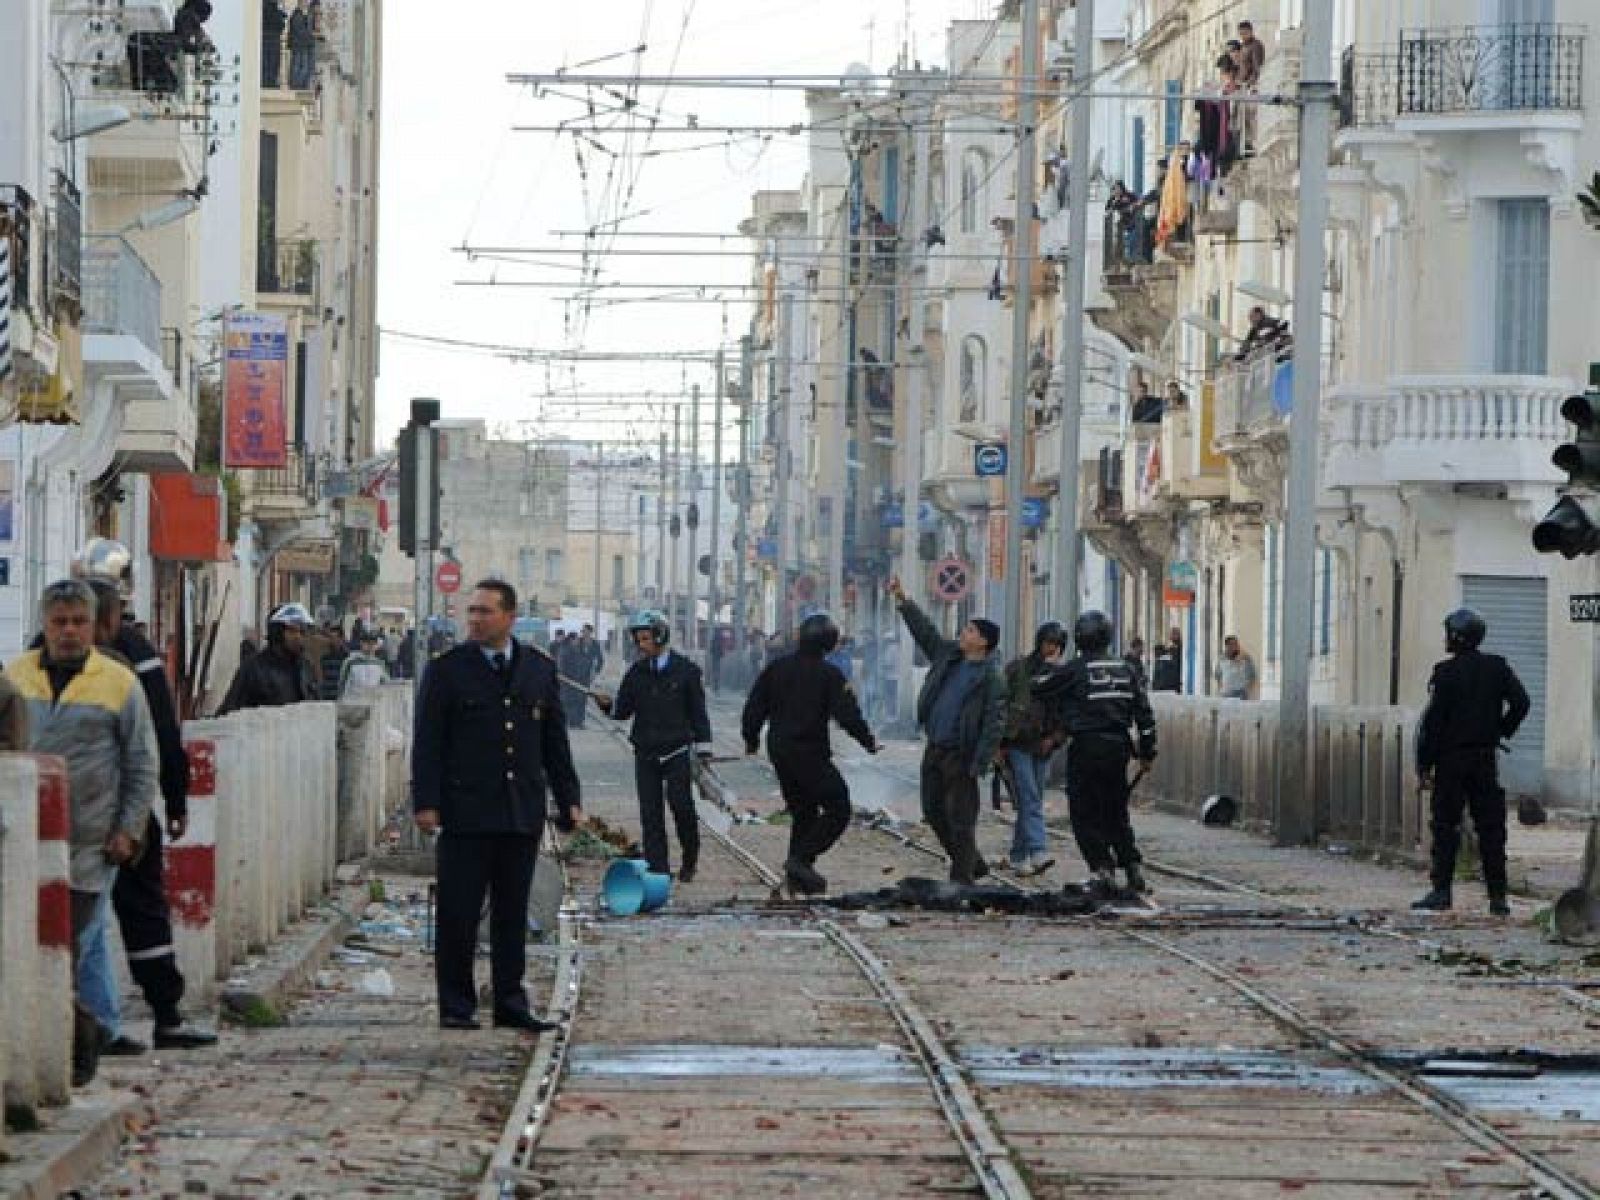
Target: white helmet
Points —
{"points": [[290, 614], [105, 561]]}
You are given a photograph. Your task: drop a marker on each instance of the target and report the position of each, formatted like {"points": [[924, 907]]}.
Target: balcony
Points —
{"points": [[66, 248], [170, 87], [1143, 294], [286, 493], [1191, 467], [123, 349], [1446, 430], [1479, 77], [1253, 400], [288, 273]]}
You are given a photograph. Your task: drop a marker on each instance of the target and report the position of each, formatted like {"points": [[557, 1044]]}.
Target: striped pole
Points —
{"points": [[19, 928], [191, 872], [53, 1028], [5, 304]]}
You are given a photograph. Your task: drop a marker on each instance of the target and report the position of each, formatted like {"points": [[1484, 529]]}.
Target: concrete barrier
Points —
{"points": [[1363, 782], [374, 766]]}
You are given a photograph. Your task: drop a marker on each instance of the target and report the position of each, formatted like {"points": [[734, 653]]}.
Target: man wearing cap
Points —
{"points": [[279, 674], [962, 709]]}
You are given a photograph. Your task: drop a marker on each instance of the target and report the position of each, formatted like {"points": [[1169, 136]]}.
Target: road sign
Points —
{"points": [[1035, 512], [1584, 608], [448, 577], [952, 579], [989, 459]]}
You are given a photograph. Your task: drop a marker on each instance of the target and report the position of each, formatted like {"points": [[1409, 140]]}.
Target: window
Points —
{"points": [[1274, 582], [1522, 287], [1325, 604], [527, 564], [1136, 158], [974, 173], [974, 369], [552, 566], [616, 575], [1172, 114]]}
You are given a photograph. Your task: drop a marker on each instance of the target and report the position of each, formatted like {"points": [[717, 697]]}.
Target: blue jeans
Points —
{"points": [[1028, 835], [97, 975]]}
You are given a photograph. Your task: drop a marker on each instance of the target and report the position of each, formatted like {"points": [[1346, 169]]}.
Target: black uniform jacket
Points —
{"points": [[1102, 697], [668, 707], [147, 665], [1474, 700], [271, 678], [799, 695], [486, 746]]}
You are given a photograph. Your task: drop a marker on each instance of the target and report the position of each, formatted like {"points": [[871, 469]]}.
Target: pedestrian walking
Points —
{"points": [[1167, 672], [87, 708], [366, 667], [1105, 711], [962, 710], [139, 896], [490, 735], [1032, 734], [662, 693], [1475, 701], [795, 698], [1236, 671], [278, 674], [573, 664]]}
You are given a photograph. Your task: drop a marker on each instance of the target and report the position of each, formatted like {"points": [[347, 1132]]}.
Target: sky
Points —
{"points": [[454, 174]]}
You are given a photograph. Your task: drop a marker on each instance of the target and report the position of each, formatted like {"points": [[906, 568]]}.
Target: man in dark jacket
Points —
{"points": [[138, 897], [663, 694], [798, 696], [279, 674], [1032, 735], [1103, 707], [489, 736], [1167, 675], [962, 709], [1475, 700]]}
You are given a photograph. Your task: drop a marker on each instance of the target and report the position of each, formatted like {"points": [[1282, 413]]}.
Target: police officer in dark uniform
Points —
{"points": [[1475, 700], [490, 734], [798, 695], [138, 897], [1104, 708], [662, 692]]}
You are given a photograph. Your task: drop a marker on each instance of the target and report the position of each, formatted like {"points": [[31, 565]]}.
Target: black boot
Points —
{"points": [[1136, 879], [686, 872], [1498, 906], [802, 877], [1437, 900]]}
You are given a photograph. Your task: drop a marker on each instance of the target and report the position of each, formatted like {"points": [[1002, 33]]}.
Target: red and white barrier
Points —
{"points": [[19, 908]]}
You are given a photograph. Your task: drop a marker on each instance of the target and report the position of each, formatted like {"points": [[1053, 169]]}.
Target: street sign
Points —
{"points": [[448, 577], [1035, 512], [1584, 608], [989, 459], [952, 579]]}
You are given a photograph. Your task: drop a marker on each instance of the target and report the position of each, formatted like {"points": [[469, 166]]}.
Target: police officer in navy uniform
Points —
{"points": [[664, 695], [797, 696], [1106, 713], [490, 736], [1475, 700], [139, 896]]}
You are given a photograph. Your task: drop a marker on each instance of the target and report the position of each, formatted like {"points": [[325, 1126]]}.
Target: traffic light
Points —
{"points": [[1572, 527], [423, 412]]}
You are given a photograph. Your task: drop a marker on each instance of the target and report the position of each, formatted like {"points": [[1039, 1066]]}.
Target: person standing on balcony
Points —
{"points": [[1148, 408], [273, 19], [1251, 58], [1167, 672], [962, 709], [1264, 331], [1475, 701], [302, 48], [1236, 672]]}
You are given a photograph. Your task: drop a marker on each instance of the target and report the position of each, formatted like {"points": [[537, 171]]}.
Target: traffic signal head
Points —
{"points": [[1571, 528], [1580, 458]]}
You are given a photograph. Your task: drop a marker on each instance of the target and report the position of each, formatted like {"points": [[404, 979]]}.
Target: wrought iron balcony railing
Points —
{"points": [[121, 294], [1478, 69], [288, 268]]}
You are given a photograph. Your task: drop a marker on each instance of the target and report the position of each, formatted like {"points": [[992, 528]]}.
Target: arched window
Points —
{"points": [[974, 173], [974, 376]]}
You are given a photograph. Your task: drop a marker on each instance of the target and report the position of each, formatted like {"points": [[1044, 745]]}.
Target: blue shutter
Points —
{"points": [[1522, 287], [1172, 115], [1136, 168], [1325, 617], [1272, 593]]}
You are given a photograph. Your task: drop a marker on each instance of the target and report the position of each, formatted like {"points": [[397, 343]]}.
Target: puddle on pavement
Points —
{"points": [[863, 1064], [1121, 1067], [1550, 1096]]}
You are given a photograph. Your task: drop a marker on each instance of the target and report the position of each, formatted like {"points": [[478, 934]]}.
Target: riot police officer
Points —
{"points": [[1475, 700], [1106, 712], [663, 693], [798, 695]]}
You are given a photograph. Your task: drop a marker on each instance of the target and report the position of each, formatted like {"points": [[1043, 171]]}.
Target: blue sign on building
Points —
{"points": [[767, 549], [989, 459], [1035, 512]]}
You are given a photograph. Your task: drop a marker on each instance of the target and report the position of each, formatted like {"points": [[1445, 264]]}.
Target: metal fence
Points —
{"points": [[1363, 780], [121, 294], [288, 268]]}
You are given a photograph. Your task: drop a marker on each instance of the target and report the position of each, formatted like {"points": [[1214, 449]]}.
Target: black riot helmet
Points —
{"points": [[818, 635], [1092, 632], [1051, 633], [1464, 630]]}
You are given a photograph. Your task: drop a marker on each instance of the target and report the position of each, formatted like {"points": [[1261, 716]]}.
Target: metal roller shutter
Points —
{"points": [[1518, 617]]}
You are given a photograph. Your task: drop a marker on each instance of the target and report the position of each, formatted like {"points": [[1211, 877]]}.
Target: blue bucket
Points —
{"points": [[630, 887]]}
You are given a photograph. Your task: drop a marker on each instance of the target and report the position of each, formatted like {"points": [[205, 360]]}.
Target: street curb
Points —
{"points": [[84, 1137], [276, 982]]}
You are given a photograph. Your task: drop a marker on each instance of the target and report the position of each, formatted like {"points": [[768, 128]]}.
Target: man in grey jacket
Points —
{"points": [[89, 709], [962, 709]]}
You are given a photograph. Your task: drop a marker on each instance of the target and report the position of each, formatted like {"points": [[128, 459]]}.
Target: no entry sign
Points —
{"points": [[952, 579], [448, 577]]}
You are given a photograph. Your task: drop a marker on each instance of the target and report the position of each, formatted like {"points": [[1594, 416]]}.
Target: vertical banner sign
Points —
{"points": [[255, 379], [8, 500], [997, 546]]}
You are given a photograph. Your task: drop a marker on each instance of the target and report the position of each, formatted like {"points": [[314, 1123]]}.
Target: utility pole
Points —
{"points": [[674, 522], [741, 541], [838, 426], [419, 515], [661, 528], [1293, 818], [713, 591], [1022, 256], [640, 564], [599, 526], [784, 401], [1070, 338], [915, 378], [691, 636]]}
